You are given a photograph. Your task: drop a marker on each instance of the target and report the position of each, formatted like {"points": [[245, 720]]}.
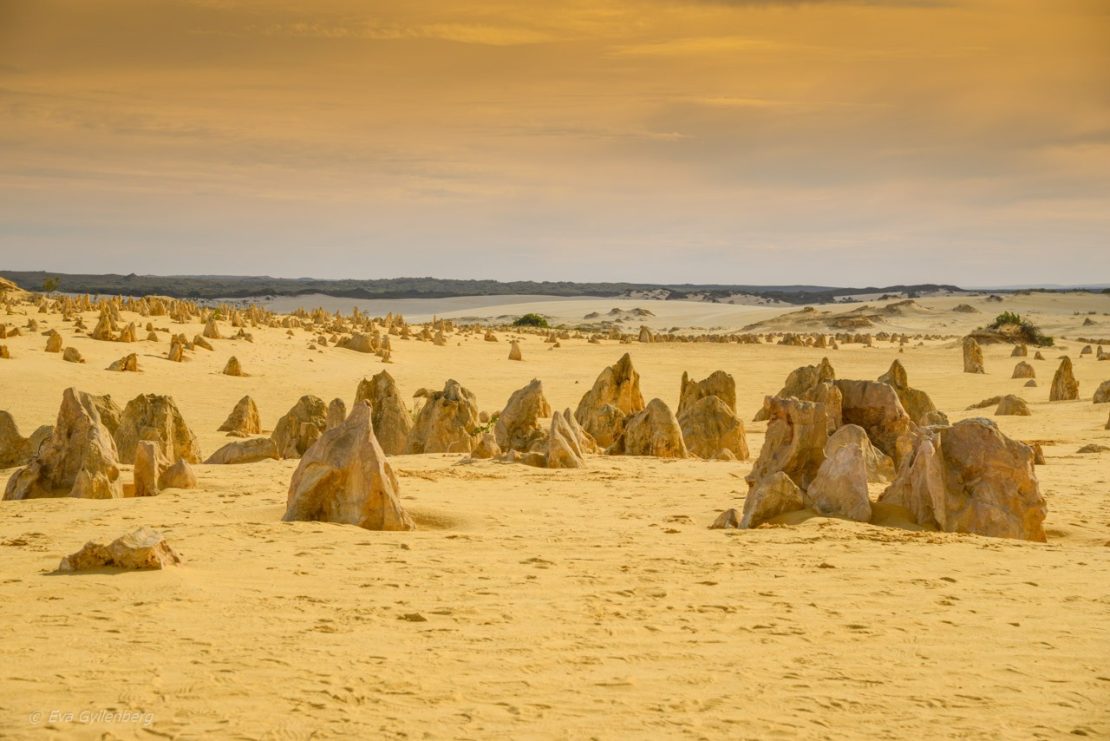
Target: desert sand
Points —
{"points": [[535, 603]]}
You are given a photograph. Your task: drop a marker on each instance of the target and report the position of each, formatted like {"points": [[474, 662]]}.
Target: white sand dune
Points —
{"points": [[569, 604]]}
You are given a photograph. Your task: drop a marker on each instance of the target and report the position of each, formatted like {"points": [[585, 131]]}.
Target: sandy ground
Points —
{"points": [[568, 604]]}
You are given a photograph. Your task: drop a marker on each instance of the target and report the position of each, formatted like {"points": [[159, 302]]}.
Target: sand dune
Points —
{"points": [[570, 603]]}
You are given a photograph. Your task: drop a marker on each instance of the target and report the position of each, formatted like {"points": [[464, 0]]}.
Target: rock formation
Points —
{"points": [[709, 426], [1064, 385], [514, 351], [142, 549], [300, 427], [774, 495], [564, 449], [345, 477], [973, 356], [126, 364], [916, 402], [447, 423], [794, 443], [1024, 370], [880, 468], [72, 355], [875, 407], [391, 418], [155, 417], [79, 458], [1102, 393], [233, 368], [149, 466], [337, 412], [653, 431], [16, 450], [1010, 405], [245, 451], [970, 478], [518, 426], [840, 487], [719, 384], [615, 395], [486, 447], [244, 419]]}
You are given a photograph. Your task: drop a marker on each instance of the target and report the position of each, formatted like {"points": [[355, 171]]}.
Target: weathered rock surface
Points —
{"points": [[719, 384], [1024, 370], [514, 351], [245, 451], [518, 426], [391, 418], [1064, 385], [615, 395], [79, 459], [142, 549], [447, 423], [794, 443], [1014, 406], [156, 417], [840, 487], [233, 367], [710, 426], [337, 412], [345, 477], [244, 419], [774, 495], [149, 465], [970, 478], [126, 364], [916, 402], [301, 426], [654, 431], [1102, 393], [880, 468], [973, 356], [16, 450], [178, 476], [875, 407], [564, 444], [486, 447]]}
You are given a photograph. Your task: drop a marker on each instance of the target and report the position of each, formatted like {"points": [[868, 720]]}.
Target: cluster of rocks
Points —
{"points": [[81, 454], [821, 455]]}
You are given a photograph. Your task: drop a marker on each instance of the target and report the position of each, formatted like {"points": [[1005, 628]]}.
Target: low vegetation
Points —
{"points": [[531, 320], [1014, 328]]}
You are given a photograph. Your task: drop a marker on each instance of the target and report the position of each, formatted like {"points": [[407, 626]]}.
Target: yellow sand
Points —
{"points": [[583, 603]]}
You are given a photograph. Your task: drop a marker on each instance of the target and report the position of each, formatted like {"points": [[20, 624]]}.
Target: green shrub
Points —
{"points": [[1011, 324], [531, 320]]}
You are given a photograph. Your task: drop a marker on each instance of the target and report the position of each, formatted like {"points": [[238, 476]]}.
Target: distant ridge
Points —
{"points": [[235, 287]]}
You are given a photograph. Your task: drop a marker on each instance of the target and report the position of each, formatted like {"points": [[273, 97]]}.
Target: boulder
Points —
{"points": [[1012, 406], [72, 355], [1020, 351], [514, 351], [178, 476], [875, 407], [54, 341], [79, 459], [709, 426], [1024, 370], [300, 427], [970, 478], [615, 395], [244, 419], [486, 447], [1064, 385], [245, 451], [391, 418], [233, 368], [1102, 393], [727, 520], [212, 330], [126, 364], [447, 423], [345, 477], [199, 341], [518, 426], [840, 487], [800, 381], [795, 441], [155, 417], [916, 402], [142, 549], [774, 495], [653, 431], [973, 356], [337, 412]]}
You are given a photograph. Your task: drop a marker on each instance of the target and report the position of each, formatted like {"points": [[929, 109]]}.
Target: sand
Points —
{"points": [[569, 603]]}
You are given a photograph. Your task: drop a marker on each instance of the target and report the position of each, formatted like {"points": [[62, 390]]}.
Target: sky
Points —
{"points": [[829, 142]]}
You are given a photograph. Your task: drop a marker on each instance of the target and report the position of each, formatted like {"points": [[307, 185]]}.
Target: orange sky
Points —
{"points": [[738, 141]]}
